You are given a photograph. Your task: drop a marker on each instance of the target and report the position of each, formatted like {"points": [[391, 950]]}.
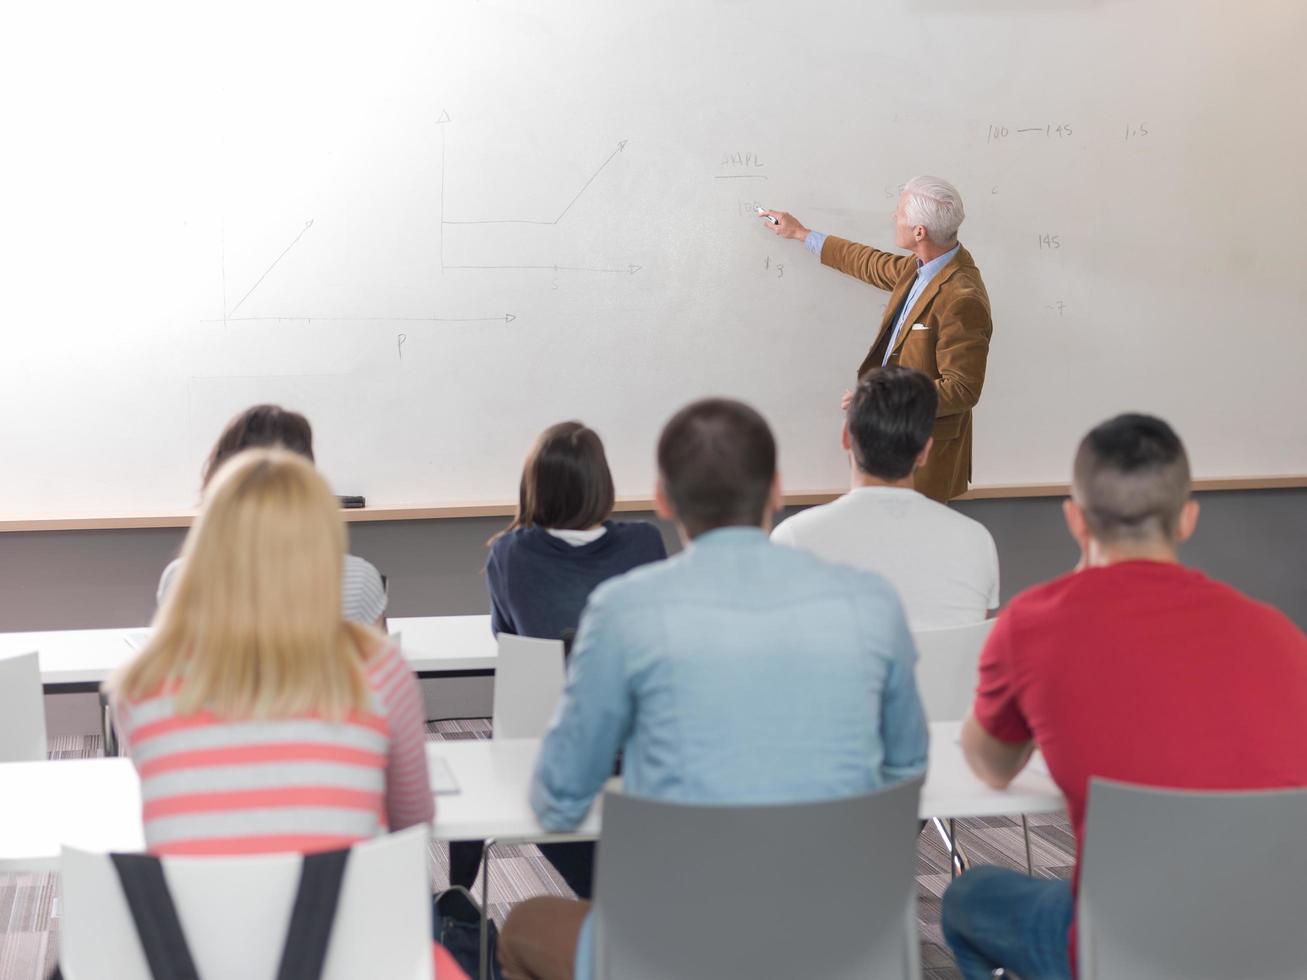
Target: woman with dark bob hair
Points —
{"points": [[561, 546], [563, 543]]}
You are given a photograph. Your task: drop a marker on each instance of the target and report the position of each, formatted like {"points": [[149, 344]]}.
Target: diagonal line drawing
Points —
{"points": [[628, 270], [497, 318], [303, 231], [527, 221]]}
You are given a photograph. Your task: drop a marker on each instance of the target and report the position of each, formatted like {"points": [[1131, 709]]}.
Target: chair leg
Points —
{"points": [[485, 910], [108, 737], [957, 860], [1025, 831]]}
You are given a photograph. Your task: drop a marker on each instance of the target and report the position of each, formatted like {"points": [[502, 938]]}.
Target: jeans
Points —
{"points": [[993, 917]]}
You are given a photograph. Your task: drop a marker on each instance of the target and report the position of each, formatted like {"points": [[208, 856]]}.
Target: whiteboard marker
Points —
{"points": [[774, 220]]}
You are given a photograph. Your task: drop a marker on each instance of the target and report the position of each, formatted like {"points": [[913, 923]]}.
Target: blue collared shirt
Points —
{"points": [[926, 271], [739, 671]]}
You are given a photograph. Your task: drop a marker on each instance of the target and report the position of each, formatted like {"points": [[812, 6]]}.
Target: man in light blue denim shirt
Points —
{"points": [[739, 671]]}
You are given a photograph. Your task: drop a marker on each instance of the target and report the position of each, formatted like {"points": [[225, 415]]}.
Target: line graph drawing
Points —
{"points": [[628, 269], [442, 121], [621, 145], [496, 318]]}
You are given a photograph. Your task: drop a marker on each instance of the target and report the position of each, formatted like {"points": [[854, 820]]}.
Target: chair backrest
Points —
{"points": [[947, 662], [22, 709], [1184, 885], [235, 913], [805, 890], [528, 683]]}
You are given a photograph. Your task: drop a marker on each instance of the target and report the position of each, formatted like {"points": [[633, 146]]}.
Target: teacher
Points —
{"points": [[937, 320]]}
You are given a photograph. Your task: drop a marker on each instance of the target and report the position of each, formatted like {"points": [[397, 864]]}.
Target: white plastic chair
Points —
{"points": [[797, 890], [1186, 885], [235, 913], [947, 662], [22, 709], [528, 684]]}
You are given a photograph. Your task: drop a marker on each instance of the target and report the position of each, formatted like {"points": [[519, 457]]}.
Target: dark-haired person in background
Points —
{"points": [[736, 672], [943, 563], [562, 543], [542, 569], [1133, 668], [363, 594]]}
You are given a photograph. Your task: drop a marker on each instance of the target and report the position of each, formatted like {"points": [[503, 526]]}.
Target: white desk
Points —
{"points": [[96, 803], [493, 777], [458, 646], [73, 660], [89, 803], [81, 660]]}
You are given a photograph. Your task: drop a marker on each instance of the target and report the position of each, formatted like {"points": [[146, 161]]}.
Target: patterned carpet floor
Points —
{"points": [[29, 908]]}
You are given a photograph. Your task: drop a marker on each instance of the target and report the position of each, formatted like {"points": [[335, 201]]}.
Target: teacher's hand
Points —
{"points": [[845, 400], [787, 225]]}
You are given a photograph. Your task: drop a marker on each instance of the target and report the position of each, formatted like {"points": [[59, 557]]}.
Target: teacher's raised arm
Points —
{"points": [[937, 319]]}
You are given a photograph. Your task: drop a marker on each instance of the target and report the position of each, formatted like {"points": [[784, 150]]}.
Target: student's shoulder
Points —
{"points": [[796, 525], [1047, 601], [510, 542], [644, 585], [954, 521], [637, 533], [381, 655], [166, 578], [1252, 614], [808, 571], [360, 569]]}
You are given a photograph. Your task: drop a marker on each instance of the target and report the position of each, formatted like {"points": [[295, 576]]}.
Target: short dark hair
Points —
{"points": [[717, 463], [566, 483], [891, 417], [1131, 479], [260, 426]]}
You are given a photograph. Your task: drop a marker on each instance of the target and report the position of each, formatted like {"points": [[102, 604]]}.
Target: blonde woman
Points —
{"points": [[258, 718]]}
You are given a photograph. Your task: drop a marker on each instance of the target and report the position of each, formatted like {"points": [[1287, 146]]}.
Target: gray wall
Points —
{"points": [[1256, 540]]}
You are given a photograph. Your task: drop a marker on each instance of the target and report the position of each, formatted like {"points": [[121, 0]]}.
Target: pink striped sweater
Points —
{"points": [[214, 786]]}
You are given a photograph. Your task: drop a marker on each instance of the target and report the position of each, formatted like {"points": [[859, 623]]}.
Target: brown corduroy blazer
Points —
{"points": [[951, 346]]}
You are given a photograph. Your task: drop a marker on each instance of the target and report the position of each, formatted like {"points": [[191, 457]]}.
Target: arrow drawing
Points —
{"points": [[303, 231], [527, 221], [628, 270], [497, 318]]}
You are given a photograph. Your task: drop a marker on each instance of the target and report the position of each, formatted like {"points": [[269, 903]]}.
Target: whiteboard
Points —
{"points": [[436, 227]]}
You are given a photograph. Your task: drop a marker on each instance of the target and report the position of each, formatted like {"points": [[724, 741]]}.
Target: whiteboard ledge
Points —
{"points": [[414, 512]]}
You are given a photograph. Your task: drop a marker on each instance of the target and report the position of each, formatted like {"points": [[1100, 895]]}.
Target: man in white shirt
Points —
{"points": [[943, 564]]}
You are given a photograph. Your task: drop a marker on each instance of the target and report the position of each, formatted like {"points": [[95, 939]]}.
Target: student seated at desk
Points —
{"points": [[258, 718], [563, 542], [736, 672], [943, 563], [542, 569], [363, 592], [1132, 668]]}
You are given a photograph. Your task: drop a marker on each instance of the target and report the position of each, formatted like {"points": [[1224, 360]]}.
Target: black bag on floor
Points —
{"points": [[457, 919]]}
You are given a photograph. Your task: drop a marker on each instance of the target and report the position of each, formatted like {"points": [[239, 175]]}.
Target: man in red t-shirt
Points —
{"points": [[1131, 668]]}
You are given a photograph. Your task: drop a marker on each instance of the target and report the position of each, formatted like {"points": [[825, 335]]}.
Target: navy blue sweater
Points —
{"points": [[539, 583]]}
